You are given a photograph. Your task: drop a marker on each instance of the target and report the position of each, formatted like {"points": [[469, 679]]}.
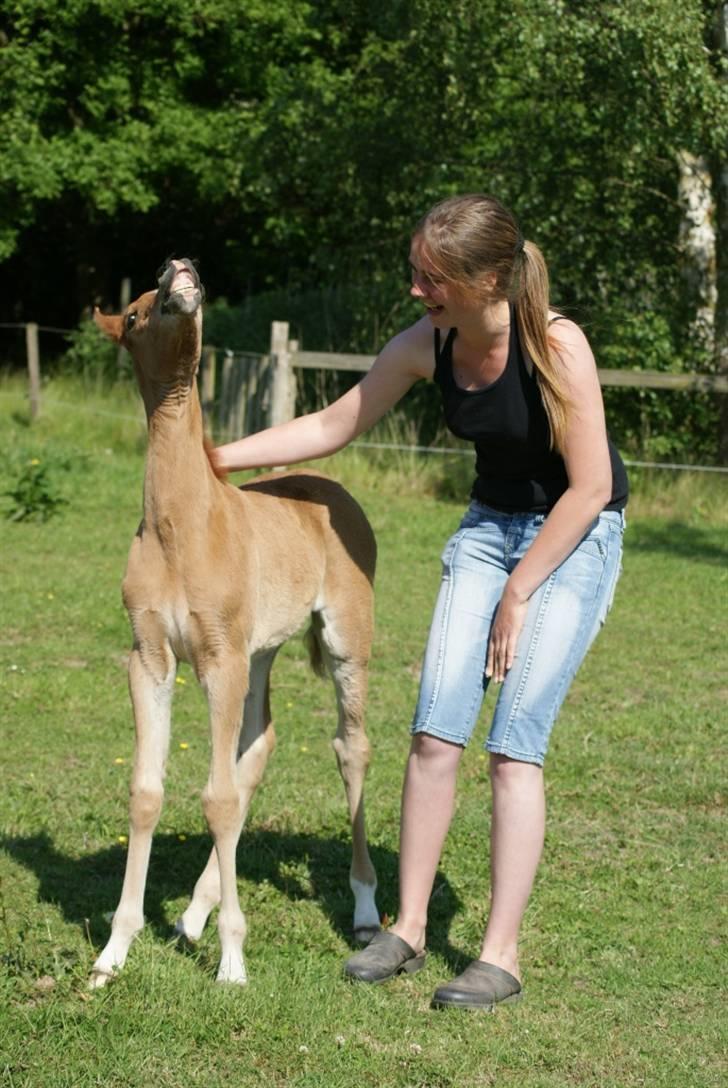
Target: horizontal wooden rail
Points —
{"points": [[644, 379], [660, 379], [331, 360]]}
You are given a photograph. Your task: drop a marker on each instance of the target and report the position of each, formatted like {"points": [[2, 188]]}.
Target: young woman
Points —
{"points": [[528, 577]]}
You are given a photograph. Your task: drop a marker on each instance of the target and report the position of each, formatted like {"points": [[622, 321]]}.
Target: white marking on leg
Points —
{"points": [[366, 915], [205, 898]]}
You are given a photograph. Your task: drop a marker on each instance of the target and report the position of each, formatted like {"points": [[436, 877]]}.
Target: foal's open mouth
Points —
{"points": [[180, 289]]}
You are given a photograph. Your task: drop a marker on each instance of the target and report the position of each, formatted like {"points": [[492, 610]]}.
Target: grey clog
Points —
{"points": [[480, 986], [385, 956]]}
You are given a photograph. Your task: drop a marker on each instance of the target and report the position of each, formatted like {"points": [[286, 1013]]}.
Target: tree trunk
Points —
{"points": [[720, 189], [697, 245]]}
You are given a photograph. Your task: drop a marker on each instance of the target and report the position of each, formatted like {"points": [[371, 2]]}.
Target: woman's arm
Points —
{"points": [[586, 456], [407, 357]]}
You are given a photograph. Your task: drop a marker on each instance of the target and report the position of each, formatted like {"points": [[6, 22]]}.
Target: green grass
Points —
{"points": [[621, 951]]}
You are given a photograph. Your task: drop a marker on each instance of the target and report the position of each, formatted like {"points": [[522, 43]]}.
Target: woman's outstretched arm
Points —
{"points": [[407, 357]]}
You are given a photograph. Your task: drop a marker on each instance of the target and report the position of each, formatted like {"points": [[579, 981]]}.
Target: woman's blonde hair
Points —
{"points": [[474, 242]]}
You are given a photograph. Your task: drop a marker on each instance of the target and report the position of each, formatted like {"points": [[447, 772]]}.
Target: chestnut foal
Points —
{"points": [[220, 577]]}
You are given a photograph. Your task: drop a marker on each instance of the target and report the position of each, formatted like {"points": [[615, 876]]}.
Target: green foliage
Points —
{"points": [[92, 355], [661, 425], [657, 424], [317, 132], [292, 146], [355, 316], [35, 495]]}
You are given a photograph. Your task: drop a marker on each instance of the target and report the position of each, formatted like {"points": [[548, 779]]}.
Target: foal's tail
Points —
{"points": [[312, 640]]}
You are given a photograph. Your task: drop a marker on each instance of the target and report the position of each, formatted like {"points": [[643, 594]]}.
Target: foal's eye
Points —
{"points": [[130, 321]]}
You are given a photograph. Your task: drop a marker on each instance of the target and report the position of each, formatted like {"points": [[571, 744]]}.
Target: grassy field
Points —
{"points": [[621, 954]]}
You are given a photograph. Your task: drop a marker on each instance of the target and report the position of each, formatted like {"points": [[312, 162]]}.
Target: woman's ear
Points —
{"points": [[488, 283]]}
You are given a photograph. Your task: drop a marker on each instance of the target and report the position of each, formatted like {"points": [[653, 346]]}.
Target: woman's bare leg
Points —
{"points": [[428, 797], [517, 834]]}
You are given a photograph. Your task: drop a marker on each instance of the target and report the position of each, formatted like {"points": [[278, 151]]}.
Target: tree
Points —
{"points": [[294, 145], [718, 35], [128, 129]]}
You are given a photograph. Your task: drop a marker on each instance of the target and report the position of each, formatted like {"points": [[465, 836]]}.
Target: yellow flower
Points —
{"points": [[288, 706], [122, 839], [34, 461], [118, 760], [182, 838], [184, 745], [50, 596], [304, 748], [180, 680]]}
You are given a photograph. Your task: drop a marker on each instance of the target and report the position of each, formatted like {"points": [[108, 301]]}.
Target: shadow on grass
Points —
{"points": [[87, 888], [678, 539]]}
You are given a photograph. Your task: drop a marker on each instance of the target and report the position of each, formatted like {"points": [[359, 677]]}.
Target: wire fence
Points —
{"points": [[469, 453], [40, 328]]}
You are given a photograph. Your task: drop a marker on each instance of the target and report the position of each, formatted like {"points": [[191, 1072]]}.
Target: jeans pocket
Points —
{"points": [[596, 539]]}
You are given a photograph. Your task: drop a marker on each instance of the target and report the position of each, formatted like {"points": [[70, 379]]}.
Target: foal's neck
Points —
{"points": [[179, 484]]}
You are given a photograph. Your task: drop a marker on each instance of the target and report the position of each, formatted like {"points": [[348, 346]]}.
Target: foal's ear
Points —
{"points": [[112, 325]]}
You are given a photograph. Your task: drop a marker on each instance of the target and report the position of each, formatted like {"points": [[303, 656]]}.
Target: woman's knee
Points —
{"points": [[433, 751], [507, 773]]}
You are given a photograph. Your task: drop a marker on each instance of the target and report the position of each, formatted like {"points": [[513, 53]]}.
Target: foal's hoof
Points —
{"points": [[98, 979], [185, 940], [191, 925], [232, 969]]}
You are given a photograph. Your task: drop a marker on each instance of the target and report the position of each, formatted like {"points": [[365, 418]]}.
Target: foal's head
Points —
{"points": [[162, 329]]}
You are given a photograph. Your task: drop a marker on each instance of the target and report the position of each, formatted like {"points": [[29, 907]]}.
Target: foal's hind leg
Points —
{"points": [[345, 640], [257, 740]]}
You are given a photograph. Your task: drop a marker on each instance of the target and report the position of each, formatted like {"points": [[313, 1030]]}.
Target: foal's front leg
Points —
{"points": [[226, 685], [151, 683]]}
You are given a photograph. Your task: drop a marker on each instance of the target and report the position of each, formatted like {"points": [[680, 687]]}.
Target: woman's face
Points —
{"points": [[443, 300]]}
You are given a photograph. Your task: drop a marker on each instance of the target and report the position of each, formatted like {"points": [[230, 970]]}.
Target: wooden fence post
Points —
{"points": [[124, 300], [291, 405], [283, 391], [31, 348]]}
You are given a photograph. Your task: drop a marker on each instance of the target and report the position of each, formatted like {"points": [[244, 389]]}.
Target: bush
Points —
{"points": [[92, 356], [35, 495]]}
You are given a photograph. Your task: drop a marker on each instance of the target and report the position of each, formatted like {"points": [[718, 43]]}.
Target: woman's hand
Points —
{"points": [[504, 634]]}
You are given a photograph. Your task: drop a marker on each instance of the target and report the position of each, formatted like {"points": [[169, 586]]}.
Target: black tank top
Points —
{"points": [[516, 469]]}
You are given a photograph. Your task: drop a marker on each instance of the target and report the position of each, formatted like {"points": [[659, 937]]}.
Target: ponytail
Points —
{"points": [[533, 316]]}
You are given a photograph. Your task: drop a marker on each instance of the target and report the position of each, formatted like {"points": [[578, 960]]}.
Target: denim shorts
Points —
{"points": [[564, 615]]}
